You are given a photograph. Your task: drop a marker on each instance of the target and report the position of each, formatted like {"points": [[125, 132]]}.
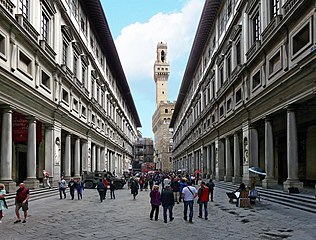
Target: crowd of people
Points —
{"points": [[174, 189]]}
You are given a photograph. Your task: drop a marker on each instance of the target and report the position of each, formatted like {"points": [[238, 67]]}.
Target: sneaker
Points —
{"points": [[24, 221], [171, 219], [200, 216], [206, 218], [0, 221], [185, 218], [165, 221], [151, 219], [17, 221], [190, 221]]}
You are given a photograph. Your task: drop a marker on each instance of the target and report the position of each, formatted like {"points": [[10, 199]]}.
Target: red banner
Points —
{"points": [[20, 126]]}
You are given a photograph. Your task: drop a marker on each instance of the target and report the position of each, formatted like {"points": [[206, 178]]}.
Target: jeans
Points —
{"points": [[112, 194], [185, 212], [62, 190], [205, 209], [165, 209], [101, 194]]}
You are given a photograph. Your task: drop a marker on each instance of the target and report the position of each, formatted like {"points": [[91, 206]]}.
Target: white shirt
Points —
{"points": [[188, 196]]}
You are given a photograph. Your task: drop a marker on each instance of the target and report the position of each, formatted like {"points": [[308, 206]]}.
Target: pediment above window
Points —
{"points": [[67, 32], [49, 5]]}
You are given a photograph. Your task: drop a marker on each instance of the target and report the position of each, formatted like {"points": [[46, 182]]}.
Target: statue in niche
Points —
{"points": [[246, 152]]}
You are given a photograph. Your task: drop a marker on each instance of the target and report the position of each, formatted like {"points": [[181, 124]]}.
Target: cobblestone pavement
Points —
{"points": [[125, 218]]}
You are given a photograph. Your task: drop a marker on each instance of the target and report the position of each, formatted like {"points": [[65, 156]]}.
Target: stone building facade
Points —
{"points": [[164, 109], [65, 102], [248, 94]]}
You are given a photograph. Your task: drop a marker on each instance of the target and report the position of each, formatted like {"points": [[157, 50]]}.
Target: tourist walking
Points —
{"points": [[183, 184], [188, 195], [211, 186], [3, 204], [72, 186], [106, 184], [21, 201], [80, 188], [175, 185], [167, 202], [203, 194], [112, 189], [101, 189], [155, 202], [134, 188], [62, 185]]}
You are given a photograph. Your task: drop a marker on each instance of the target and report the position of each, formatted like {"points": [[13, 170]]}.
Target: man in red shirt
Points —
{"points": [[106, 186], [203, 199], [21, 201]]}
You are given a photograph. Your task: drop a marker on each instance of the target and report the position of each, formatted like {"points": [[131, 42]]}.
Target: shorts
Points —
{"points": [[24, 207]]}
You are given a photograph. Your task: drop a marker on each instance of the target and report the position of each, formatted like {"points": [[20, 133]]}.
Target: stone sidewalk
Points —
{"points": [[125, 218]]}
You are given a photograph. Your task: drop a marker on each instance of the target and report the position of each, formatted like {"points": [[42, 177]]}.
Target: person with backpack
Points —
{"points": [[188, 194], [101, 189], [167, 202]]}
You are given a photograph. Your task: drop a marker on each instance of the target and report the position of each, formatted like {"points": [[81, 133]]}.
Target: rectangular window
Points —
{"points": [[221, 76], [301, 39], [275, 63], [2, 44], [238, 96], [75, 105], [24, 7], [74, 5], [229, 66], [45, 80], [44, 27], [238, 53], [65, 52], [166, 110], [75, 65], [229, 104], [91, 42], [221, 111], [84, 79], [229, 8], [275, 8], [256, 80], [83, 111], [65, 96], [83, 25], [256, 27], [25, 63]]}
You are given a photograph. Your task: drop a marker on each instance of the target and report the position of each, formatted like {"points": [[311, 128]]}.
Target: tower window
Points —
{"points": [[163, 56], [163, 92]]}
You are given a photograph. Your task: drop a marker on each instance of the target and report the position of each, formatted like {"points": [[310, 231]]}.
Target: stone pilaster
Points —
{"points": [[67, 163], [49, 151], [228, 159], [237, 177], [93, 157], [98, 165], [77, 158]]}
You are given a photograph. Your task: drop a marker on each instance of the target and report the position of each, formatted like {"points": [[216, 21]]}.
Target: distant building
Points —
{"points": [[143, 152], [247, 98], [65, 104], [164, 109]]}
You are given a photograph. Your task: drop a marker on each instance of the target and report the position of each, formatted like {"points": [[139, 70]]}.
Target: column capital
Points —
{"points": [[7, 108]]}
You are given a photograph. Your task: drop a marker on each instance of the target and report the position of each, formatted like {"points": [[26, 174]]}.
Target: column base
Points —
{"points": [[269, 183], [31, 183], [236, 180], [10, 186], [292, 183], [227, 178]]}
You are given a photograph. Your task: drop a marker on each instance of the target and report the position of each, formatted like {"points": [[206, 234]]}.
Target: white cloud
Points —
{"points": [[136, 45]]}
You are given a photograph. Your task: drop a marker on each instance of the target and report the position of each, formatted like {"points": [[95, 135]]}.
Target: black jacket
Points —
{"points": [[167, 198]]}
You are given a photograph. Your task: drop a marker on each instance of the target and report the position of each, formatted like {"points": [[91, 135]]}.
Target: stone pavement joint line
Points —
{"points": [[125, 218]]}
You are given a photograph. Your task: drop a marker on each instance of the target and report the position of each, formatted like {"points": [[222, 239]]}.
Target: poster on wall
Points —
{"points": [[20, 126]]}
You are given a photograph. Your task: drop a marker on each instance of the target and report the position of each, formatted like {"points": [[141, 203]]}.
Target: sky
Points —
{"points": [[137, 26]]}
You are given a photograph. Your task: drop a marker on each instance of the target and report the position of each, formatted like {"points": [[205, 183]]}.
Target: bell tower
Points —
{"points": [[161, 73]]}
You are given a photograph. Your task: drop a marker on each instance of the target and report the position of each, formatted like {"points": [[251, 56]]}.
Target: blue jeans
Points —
{"points": [[205, 209], [185, 212], [165, 209]]}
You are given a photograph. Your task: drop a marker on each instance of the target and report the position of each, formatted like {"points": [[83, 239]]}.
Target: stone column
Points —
{"points": [[269, 180], [213, 162], [292, 155], [31, 180], [67, 163], [237, 177], [98, 158], [102, 159], [49, 151], [77, 158], [228, 176], [219, 160], [57, 153], [93, 156], [6, 151], [208, 161]]}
